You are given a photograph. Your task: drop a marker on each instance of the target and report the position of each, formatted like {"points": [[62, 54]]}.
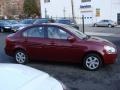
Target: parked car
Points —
{"points": [[105, 23], [22, 23], [13, 21], [68, 22], [19, 77], [18, 27], [27, 21], [60, 43], [5, 26], [43, 20]]}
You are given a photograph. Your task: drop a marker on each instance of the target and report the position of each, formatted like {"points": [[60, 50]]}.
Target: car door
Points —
{"points": [[59, 48], [35, 42], [106, 22], [101, 23]]}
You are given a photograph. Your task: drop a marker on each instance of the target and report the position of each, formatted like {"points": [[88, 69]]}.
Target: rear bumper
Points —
{"points": [[9, 52]]}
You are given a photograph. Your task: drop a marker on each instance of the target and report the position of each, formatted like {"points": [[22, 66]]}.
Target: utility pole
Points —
{"points": [[64, 11], [45, 13], [73, 14], [83, 24]]}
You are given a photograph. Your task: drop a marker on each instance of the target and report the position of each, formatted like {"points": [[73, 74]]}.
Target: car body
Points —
{"points": [[59, 43], [5, 26], [105, 23], [20, 77], [68, 22], [43, 20]]}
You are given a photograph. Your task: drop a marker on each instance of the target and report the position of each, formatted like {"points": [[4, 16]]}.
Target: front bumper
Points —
{"points": [[110, 58]]}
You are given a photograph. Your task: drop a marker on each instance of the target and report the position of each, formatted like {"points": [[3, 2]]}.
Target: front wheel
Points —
{"points": [[92, 62], [109, 25], [2, 30], [21, 57]]}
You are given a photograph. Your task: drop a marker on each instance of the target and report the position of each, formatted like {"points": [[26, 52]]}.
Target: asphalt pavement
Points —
{"points": [[76, 78]]}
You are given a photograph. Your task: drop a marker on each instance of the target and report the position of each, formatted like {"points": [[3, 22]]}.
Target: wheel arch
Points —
{"points": [[19, 48], [92, 52]]}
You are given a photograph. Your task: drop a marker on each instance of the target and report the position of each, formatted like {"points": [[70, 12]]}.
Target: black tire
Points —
{"points": [[95, 25], [90, 64], [1, 30], [109, 25], [24, 57]]}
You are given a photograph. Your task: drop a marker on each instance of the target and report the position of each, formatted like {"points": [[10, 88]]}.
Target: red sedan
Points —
{"points": [[61, 43]]}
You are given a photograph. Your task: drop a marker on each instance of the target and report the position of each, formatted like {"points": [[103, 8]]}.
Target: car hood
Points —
{"points": [[44, 83], [21, 77], [101, 41]]}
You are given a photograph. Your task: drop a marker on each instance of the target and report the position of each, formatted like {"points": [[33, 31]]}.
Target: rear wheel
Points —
{"points": [[92, 62], [21, 57]]}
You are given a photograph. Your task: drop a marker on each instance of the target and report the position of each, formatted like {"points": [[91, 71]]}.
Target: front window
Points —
{"points": [[57, 33], [76, 32]]}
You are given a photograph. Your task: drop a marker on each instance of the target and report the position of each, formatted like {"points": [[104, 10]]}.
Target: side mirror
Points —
{"points": [[71, 39]]}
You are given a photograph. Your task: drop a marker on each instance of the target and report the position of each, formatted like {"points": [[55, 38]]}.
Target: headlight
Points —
{"points": [[7, 27], [109, 49], [14, 30]]}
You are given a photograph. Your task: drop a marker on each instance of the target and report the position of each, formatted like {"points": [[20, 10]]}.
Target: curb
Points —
{"points": [[102, 34]]}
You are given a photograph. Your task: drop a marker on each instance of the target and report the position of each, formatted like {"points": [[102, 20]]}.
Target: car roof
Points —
{"points": [[14, 76]]}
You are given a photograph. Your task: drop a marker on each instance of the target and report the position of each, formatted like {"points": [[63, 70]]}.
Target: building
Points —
{"points": [[12, 8], [93, 10], [2, 7]]}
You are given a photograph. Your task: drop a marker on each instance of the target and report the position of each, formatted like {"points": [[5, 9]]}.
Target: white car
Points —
{"points": [[20, 77], [105, 23]]}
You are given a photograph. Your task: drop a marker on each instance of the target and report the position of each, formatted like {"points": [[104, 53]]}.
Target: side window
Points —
{"points": [[57, 33], [34, 32]]}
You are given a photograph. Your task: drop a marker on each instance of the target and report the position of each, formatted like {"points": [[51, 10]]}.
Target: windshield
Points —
{"points": [[76, 32], [3, 23], [64, 21], [41, 21], [13, 21], [28, 21]]}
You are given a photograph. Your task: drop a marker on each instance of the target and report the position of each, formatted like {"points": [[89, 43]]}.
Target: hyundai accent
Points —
{"points": [[59, 43]]}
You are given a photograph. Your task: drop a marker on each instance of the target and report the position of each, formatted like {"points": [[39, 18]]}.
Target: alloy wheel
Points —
{"points": [[20, 57], [92, 62]]}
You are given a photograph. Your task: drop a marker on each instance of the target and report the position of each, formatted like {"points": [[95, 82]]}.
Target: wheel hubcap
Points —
{"points": [[92, 62], [20, 57], [109, 25], [1, 30]]}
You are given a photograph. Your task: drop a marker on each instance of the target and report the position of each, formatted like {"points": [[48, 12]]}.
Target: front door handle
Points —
{"points": [[51, 43]]}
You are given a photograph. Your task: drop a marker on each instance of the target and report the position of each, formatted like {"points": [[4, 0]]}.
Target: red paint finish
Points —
{"points": [[61, 50]]}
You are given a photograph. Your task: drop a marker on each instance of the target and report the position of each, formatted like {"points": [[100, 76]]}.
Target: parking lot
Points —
{"points": [[76, 78]]}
